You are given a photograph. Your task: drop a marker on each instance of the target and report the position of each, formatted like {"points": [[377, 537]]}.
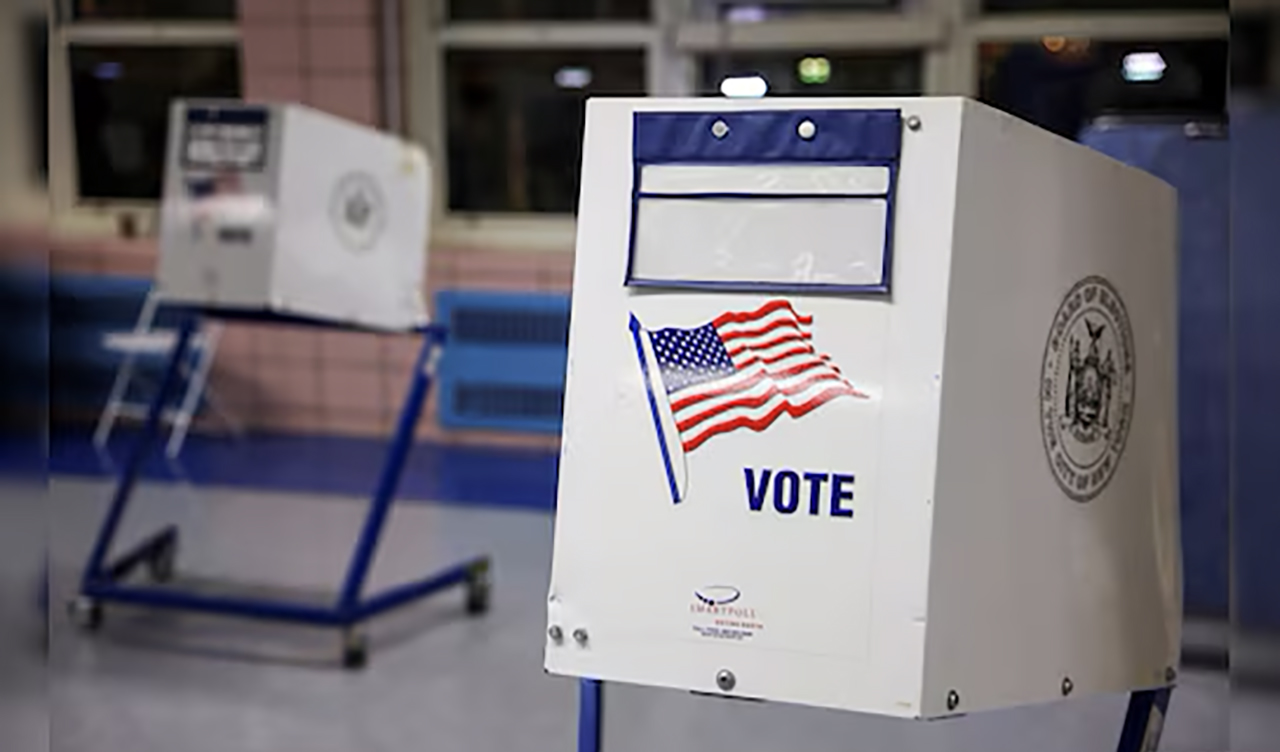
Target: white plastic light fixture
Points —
{"points": [[745, 14], [1144, 66], [814, 70], [744, 86], [573, 77]]}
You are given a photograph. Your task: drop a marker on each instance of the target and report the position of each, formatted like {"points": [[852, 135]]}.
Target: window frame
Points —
{"points": [[948, 34], [24, 195], [70, 212]]}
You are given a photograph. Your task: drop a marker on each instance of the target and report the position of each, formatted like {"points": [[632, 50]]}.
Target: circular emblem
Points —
{"points": [[358, 211], [1087, 388]]}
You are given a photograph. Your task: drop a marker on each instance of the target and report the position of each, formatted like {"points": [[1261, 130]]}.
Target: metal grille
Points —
{"points": [[501, 400], [509, 326], [503, 368]]}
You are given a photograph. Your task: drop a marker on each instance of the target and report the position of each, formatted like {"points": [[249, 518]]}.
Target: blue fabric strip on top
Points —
{"points": [[230, 114], [849, 136]]}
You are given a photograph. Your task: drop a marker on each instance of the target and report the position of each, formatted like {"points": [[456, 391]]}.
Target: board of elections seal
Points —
{"points": [[1087, 384], [358, 211]]}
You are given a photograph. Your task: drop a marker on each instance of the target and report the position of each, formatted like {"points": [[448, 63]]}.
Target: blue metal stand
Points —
{"points": [[590, 715], [105, 580], [1143, 723]]}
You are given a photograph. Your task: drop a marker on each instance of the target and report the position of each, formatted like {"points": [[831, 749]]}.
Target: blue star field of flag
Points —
{"points": [[688, 357]]}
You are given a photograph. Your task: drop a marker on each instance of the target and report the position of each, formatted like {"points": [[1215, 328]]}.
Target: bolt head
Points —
{"points": [[580, 636], [1170, 674], [1067, 686], [556, 633], [914, 123], [725, 680], [953, 700]]}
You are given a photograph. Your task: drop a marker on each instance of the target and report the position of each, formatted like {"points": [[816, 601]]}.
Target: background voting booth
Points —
{"points": [[293, 211], [891, 400], [280, 213]]}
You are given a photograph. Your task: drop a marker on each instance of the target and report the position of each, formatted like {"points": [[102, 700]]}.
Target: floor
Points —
{"points": [[437, 679]]}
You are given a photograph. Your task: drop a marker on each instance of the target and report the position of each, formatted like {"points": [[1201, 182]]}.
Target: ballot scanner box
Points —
{"points": [[283, 209], [869, 405]]}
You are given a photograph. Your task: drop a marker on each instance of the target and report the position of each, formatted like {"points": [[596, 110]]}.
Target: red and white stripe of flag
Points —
{"points": [[778, 371]]}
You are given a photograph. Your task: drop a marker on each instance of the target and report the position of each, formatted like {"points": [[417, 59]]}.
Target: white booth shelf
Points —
{"points": [[890, 400]]}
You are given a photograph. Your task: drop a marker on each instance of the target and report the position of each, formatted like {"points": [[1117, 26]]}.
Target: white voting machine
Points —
{"points": [[283, 209], [870, 405]]}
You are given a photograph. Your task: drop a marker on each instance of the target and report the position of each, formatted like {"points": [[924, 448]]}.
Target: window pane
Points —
{"points": [[548, 10], [747, 12], [121, 97], [997, 6], [515, 123], [811, 74], [1063, 84], [190, 10], [37, 69], [1255, 43]]}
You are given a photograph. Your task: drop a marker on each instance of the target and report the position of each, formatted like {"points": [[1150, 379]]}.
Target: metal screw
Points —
{"points": [[725, 680], [556, 634], [953, 700], [914, 123], [1170, 674], [1067, 686], [580, 636], [806, 129], [719, 129]]}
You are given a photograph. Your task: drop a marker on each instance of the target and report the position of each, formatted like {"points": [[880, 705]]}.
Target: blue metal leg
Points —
{"points": [[412, 591], [590, 715], [1144, 722], [105, 581], [401, 443], [96, 569]]}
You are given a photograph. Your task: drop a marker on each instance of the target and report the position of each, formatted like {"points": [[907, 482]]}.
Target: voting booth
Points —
{"points": [[279, 214], [870, 405], [287, 209]]}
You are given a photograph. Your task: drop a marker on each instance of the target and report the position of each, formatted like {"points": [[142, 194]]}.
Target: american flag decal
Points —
{"points": [[743, 370]]}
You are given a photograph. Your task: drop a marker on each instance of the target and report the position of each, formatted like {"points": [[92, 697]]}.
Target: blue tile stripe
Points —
{"points": [[490, 477]]}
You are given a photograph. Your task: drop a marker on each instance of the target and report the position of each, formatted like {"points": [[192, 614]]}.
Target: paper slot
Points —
{"points": [[765, 179], [773, 241]]}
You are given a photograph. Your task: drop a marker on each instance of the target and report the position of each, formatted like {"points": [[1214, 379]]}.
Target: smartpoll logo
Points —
{"points": [[820, 492], [717, 595], [717, 613]]}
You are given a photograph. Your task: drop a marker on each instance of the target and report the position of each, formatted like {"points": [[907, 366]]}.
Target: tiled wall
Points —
{"points": [[319, 52], [325, 53]]}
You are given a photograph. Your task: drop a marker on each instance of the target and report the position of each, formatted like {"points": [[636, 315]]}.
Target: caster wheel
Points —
{"points": [[478, 590], [355, 650], [86, 613], [163, 562]]}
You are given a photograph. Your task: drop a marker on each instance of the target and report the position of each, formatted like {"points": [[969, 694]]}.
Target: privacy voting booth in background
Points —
{"points": [[293, 211], [891, 402], [283, 214]]}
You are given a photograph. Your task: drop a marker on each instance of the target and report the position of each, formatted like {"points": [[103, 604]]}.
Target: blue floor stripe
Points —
{"points": [[22, 457], [315, 464]]}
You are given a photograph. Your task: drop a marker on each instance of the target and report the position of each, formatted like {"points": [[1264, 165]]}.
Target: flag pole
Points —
{"points": [[636, 334]]}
